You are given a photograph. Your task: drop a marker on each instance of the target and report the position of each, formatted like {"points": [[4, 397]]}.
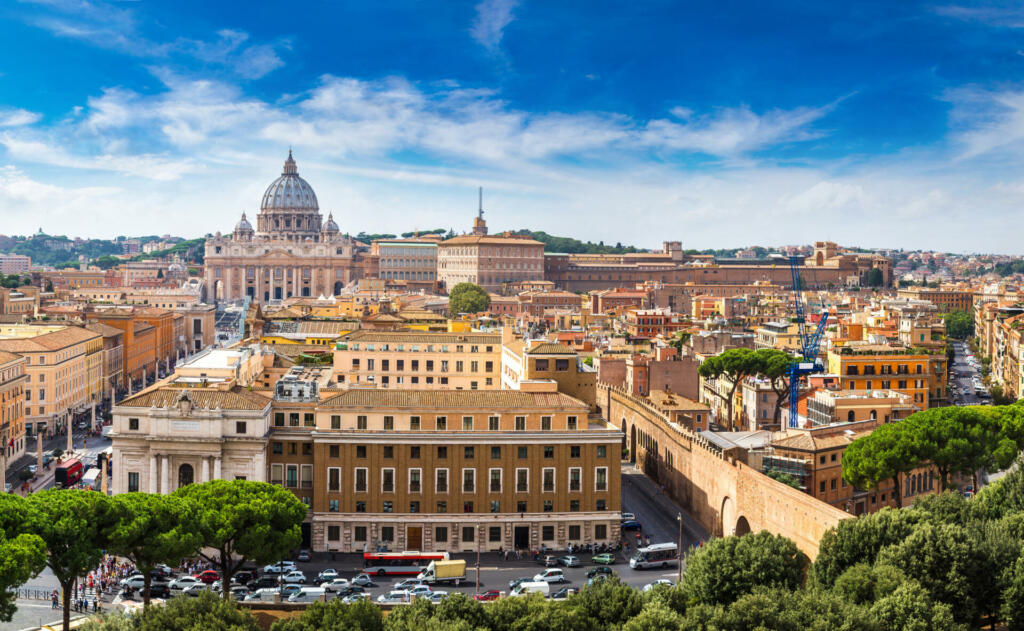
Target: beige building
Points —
{"points": [[489, 261], [419, 359], [12, 407], [62, 362], [413, 260], [291, 252]]}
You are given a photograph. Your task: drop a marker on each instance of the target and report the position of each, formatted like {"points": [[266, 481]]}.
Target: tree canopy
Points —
{"points": [[468, 298], [959, 324], [22, 554]]}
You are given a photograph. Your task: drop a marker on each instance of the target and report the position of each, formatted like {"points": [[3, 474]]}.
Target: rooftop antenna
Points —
{"points": [[480, 210]]}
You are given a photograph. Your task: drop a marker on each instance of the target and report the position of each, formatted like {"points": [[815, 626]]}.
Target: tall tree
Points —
{"points": [[241, 521], [724, 569], [773, 365], [152, 529], [468, 298], [732, 365], [73, 525], [22, 554], [883, 454]]}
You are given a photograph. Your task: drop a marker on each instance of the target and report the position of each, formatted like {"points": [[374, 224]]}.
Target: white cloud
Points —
{"points": [[1009, 17], [987, 121], [492, 16], [149, 166], [17, 117]]}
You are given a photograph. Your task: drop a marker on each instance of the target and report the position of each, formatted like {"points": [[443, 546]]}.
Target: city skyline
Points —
{"points": [[879, 126]]}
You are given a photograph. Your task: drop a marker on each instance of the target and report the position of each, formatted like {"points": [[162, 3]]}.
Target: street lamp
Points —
{"points": [[479, 540], [679, 518]]}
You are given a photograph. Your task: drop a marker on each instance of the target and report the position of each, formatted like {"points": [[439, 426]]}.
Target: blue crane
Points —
{"points": [[808, 362]]}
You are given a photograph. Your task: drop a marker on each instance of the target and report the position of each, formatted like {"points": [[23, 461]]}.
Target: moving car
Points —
{"points": [[182, 582], [395, 596], [436, 597], [632, 524], [550, 575], [491, 594], [516, 581], [263, 582], [658, 583], [208, 576], [135, 581], [408, 583], [420, 590], [363, 580], [158, 590], [605, 558], [563, 593], [351, 590], [289, 589], [548, 560], [327, 575], [195, 589], [303, 556], [295, 576], [354, 598], [569, 561], [602, 570], [281, 567], [307, 595], [531, 587], [628, 517], [335, 585]]}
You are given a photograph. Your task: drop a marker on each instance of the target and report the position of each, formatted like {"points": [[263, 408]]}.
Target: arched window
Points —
{"points": [[874, 415], [186, 475], [849, 416]]}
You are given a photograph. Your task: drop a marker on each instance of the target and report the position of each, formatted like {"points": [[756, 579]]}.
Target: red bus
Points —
{"points": [[397, 563], [68, 473]]}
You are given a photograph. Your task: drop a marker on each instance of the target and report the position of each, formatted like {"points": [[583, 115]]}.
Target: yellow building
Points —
{"points": [[919, 372], [12, 407]]}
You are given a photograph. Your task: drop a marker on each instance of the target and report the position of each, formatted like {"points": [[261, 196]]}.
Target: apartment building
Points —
{"points": [[139, 340], [649, 323], [113, 357], [826, 407], [419, 359], [14, 263], [12, 406], [918, 372], [58, 369], [524, 363], [428, 470], [945, 299]]}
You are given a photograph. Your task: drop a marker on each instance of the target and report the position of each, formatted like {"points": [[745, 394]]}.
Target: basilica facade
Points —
{"points": [[291, 252]]}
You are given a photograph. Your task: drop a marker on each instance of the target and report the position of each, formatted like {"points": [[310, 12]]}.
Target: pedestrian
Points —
{"points": [[53, 599]]}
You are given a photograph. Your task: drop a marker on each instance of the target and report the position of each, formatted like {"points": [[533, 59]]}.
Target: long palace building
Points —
{"points": [[292, 251]]}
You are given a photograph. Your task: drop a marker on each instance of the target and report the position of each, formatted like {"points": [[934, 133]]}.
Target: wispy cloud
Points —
{"points": [[492, 16], [1009, 15], [987, 121], [16, 117]]}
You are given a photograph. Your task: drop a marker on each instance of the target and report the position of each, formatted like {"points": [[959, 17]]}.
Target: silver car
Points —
{"points": [[569, 561]]}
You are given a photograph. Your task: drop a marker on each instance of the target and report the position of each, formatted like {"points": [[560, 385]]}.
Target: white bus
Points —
{"points": [[657, 555]]}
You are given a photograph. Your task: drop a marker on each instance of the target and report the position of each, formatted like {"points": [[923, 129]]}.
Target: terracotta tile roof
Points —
{"points": [[808, 441], [452, 399], [470, 239], [103, 329], [6, 358], [49, 341], [551, 348], [423, 337], [167, 396]]}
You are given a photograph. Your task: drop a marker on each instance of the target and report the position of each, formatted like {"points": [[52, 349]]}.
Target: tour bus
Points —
{"points": [[657, 555], [398, 563], [68, 473], [91, 479]]}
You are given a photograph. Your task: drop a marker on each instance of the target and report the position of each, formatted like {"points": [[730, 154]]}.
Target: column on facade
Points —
{"points": [[259, 465], [205, 470], [153, 474], [94, 415], [165, 475], [258, 285], [216, 467], [71, 438]]}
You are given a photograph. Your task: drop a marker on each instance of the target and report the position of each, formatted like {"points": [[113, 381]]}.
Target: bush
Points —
{"points": [[206, 612], [724, 569]]}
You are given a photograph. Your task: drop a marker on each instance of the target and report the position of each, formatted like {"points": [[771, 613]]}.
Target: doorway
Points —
{"points": [[414, 538], [522, 537], [307, 538]]}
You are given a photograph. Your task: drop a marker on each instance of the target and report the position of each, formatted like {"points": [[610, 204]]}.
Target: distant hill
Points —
{"points": [[569, 245]]}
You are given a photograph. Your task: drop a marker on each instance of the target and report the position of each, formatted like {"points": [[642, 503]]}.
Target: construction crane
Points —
{"points": [[808, 362]]}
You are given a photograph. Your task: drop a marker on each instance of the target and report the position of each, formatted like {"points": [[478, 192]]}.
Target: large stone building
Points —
{"points": [[291, 252], [12, 407], [490, 261]]}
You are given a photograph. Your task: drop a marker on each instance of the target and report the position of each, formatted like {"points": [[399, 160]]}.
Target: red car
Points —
{"points": [[208, 576], [489, 595]]}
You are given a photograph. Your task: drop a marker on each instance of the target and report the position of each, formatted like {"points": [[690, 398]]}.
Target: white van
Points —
{"points": [[308, 595], [532, 587]]}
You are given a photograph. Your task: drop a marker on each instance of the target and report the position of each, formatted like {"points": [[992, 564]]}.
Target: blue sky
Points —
{"points": [[885, 124]]}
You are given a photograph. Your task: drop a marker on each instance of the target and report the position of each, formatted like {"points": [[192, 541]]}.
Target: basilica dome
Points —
{"points": [[289, 192], [329, 225]]}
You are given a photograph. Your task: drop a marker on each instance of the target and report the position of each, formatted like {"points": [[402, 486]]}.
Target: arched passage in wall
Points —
{"points": [[624, 434], [219, 290], [726, 518], [742, 526], [632, 444]]}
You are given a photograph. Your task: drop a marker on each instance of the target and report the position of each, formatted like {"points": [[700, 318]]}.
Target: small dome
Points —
{"points": [[243, 225], [289, 192], [329, 225]]}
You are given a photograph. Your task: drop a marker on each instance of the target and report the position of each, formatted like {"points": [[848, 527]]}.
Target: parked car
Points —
{"points": [[32, 468], [569, 561], [354, 598], [491, 594], [658, 583], [394, 597], [335, 585], [239, 592], [135, 581], [243, 576], [327, 575], [263, 582], [158, 590], [601, 570], [295, 576], [593, 580], [548, 560], [182, 582], [550, 575], [632, 524], [363, 580], [164, 571], [563, 593], [605, 558], [304, 556], [195, 589], [208, 576]]}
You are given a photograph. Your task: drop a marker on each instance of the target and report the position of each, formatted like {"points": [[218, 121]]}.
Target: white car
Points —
{"points": [[628, 517], [335, 585], [135, 581], [195, 589], [436, 597], [661, 581], [420, 590], [550, 575], [408, 584], [354, 598], [394, 597], [181, 583], [327, 575], [295, 576], [280, 567]]}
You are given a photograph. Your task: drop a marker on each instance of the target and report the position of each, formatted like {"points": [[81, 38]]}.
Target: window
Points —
{"points": [[602, 451], [540, 364], [333, 533], [467, 507], [549, 452], [600, 531], [442, 423], [468, 534], [279, 419], [361, 506], [545, 423], [307, 419], [307, 449], [360, 533], [561, 365], [414, 507], [414, 423], [388, 451], [492, 423], [522, 480], [442, 453], [442, 507], [278, 448], [832, 485], [335, 421], [441, 534], [468, 452], [494, 533], [292, 476], [496, 452], [575, 475], [548, 480], [333, 506], [388, 507], [574, 533], [360, 422], [469, 480], [574, 451], [467, 423], [389, 423], [601, 505], [821, 487], [360, 451], [520, 423], [335, 451], [307, 476], [333, 479], [414, 452], [387, 480], [276, 473], [522, 452], [601, 478], [360, 480], [570, 423], [414, 480], [495, 480], [133, 481], [293, 419], [387, 533], [441, 480]]}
